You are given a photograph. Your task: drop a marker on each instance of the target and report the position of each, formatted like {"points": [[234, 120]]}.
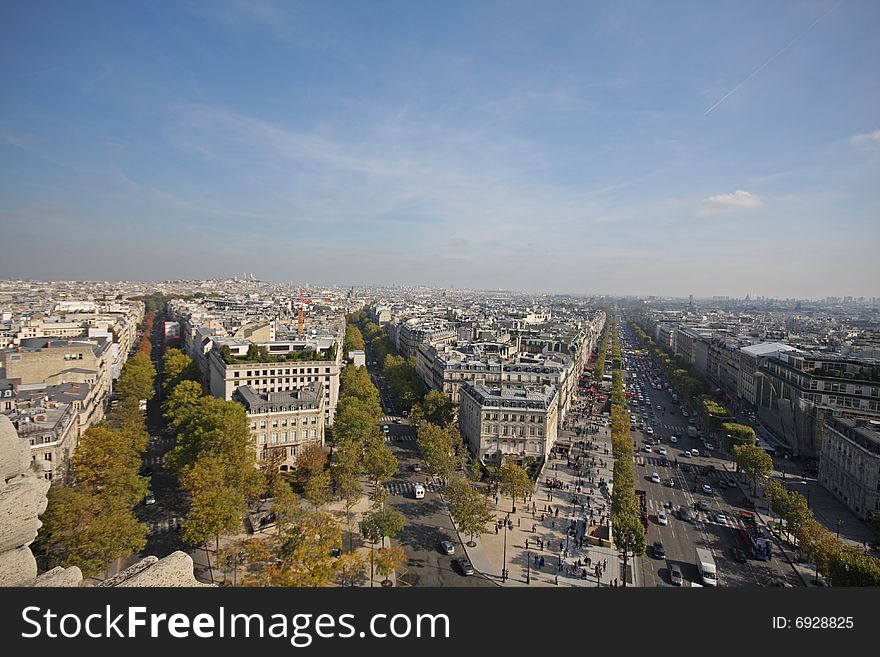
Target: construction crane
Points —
{"points": [[300, 317]]}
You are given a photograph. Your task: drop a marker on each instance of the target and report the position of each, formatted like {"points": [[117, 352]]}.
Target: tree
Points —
{"points": [[136, 380], [215, 505], [312, 476], [354, 339], [469, 509], [849, 567], [629, 537], [388, 559], [737, 434], [346, 472], [380, 464], [820, 544], [182, 399], [88, 530], [439, 448], [177, 367], [435, 408], [514, 481], [378, 524], [105, 461], [753, 460]]}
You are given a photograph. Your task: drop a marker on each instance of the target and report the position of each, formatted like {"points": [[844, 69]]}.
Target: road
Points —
{"points": [[681, 538], [427, 519]]}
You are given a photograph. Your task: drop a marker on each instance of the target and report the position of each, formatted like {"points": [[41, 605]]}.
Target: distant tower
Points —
{"points": [[691, 300]]}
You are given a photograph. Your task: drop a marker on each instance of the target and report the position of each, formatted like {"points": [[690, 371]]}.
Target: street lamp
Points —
{"points": [[504, 558], [839, 523]]}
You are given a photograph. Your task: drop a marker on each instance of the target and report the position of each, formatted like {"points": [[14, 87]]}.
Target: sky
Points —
{"points": [[674, 148]]}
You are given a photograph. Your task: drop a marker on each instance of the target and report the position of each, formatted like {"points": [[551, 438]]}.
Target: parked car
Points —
{"points": [[150, 498], [661, 451], [707, 489], [447, 547], [673, 439], [465, 567]]}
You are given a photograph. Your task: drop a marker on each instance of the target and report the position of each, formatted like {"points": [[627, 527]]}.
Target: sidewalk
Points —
{"points": [[488, 555]]}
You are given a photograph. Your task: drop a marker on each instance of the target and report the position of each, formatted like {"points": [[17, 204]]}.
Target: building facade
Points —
{"points": [[517, 424], [849, 464], [284, 424]]}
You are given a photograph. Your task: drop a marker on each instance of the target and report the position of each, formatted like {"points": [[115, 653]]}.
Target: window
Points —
{"points": [[262, 439], [253, 426], [47, 456], [274, 437], [274, 424], [262, 424], [293, 435]]}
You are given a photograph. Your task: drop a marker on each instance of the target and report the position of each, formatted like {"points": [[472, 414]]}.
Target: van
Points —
{"points": [[418, 491]]}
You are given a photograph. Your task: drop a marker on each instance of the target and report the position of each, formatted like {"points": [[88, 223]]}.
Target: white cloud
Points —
{"points": [[739, 200], [866, 138]]}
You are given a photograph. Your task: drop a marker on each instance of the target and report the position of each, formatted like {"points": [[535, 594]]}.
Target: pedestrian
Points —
{"points": [[542, 517], [518, 522], [527, 544], [553, 524], [534, 528], [556, 580], [496, 528], [604, 564], [542, 558], [557, 513]]}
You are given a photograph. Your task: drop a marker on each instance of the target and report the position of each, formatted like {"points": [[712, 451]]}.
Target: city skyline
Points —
{"points": [[634, 150]]}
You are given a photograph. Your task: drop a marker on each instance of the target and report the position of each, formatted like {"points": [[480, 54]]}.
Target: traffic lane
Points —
{"points": [[427, 522]]}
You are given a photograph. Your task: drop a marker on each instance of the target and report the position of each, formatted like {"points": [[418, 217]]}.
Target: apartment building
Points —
{"points": [[282, 375], [798, 392], [283, 424], [849, 463], [501, 423]]}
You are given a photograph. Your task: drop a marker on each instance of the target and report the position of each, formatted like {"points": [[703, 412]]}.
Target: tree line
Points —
{"points": [[628, 530], [89, 521]]}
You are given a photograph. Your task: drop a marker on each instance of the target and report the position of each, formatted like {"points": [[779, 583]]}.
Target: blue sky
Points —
{"points": [[628, 147]]}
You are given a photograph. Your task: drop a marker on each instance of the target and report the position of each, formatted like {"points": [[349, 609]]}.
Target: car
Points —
{"points": [[707, 489], [661, 451], [661, 518], [146, 471], [675, 574], [150, 498], [418, 491], [703, 505], [659, 407], [385, 428], [397, 421], [415, 467], [738, 554], [684, 414], [709, 446], [647, 449], [686, 454], [658, 551], [649, 431], [684, 513], [447, 547], [673, 439], [721, 519], [465, 567], [663, 463], [695, 452], [655, 478], [670, 483]]}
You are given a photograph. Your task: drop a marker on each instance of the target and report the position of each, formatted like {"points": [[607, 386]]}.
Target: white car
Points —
{"points": [[673, 439], [649, 431], [655, 477], [647, 449], [661, 518], [707, 489], [695, 452], [686, 454], [661, 451], [721, 519]]}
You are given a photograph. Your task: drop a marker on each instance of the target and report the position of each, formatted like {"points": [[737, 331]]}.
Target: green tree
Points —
{"points": [[177, 367], [346, 471], [354, 339], [215, 508], [435, 408], [737, 434], [183, 398], [752, 460], [469, 509], [514, 481], [312, 476], [629, 537], [388, 559], [380, 464], [105, 462]]}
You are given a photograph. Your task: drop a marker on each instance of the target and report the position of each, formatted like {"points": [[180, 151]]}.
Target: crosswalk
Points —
{"points": [[405, 487], [389, 419], [165, 525], [154, 460], [401, 438]]}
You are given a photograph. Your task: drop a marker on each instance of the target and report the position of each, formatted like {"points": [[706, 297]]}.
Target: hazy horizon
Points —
{"points": [[654, 149]]}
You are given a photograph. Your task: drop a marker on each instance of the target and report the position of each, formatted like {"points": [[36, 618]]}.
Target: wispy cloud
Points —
{"points": [[866, 138], [770, 61], [723, 203]]}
